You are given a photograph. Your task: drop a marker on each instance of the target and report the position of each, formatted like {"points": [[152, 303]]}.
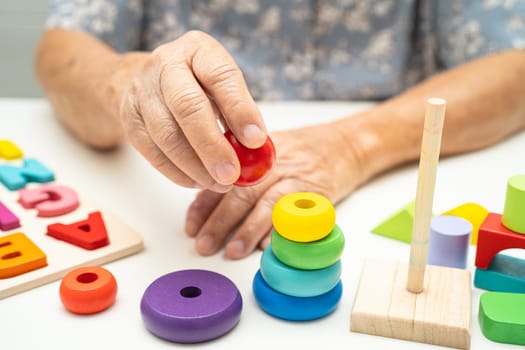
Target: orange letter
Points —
{"points": [[18, 255]]}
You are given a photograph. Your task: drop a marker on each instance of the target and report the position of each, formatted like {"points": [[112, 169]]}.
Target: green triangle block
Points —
{"points": [[399, 225]]}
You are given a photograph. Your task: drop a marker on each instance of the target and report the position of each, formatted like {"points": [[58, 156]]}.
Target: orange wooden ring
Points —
{"points": [[88, 290]]}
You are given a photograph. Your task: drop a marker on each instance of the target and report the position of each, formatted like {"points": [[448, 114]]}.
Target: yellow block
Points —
{"points": [[472, 212], [18, 255], [9, 150]]}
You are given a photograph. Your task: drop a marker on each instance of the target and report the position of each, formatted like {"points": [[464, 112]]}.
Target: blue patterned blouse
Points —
{"points": [[313, 49]]}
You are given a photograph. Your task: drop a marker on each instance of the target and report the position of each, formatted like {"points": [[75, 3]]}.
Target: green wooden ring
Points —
{"points": [[309, 255]]}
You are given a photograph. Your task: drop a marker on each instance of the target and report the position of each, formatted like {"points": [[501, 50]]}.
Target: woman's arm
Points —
{"points": [[84, 79], [485, 103]]}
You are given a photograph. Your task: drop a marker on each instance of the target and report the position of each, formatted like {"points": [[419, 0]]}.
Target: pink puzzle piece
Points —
{"points": [[8, 220], [49, 200]]}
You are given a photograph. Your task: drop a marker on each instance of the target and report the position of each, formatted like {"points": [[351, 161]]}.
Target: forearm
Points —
{"points": [[485, 104], [83, 79]]}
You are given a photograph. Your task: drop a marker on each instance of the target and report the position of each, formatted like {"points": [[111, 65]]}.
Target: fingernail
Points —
{"points": [[236, 248], [254, 134], [206, 245], [225, 172]]}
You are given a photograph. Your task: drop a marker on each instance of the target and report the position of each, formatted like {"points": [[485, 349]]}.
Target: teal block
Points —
{"points": [[505, 274], [15, 178]]}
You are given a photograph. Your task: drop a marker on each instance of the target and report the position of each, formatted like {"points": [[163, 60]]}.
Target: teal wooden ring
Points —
{"points": [[294, 282], [312, 255]]}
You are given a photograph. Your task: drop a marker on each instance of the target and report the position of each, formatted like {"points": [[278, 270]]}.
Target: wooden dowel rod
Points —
{"points": [[428, 161]]}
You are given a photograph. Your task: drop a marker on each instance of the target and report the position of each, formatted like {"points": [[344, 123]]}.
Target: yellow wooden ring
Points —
{"points": [[303, 216]]}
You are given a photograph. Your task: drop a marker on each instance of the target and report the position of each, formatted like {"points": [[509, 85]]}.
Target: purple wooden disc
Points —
{"points": [[191, 306]]}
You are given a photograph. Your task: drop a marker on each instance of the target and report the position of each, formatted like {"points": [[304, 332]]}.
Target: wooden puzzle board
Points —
{"points": [[62, 256]]}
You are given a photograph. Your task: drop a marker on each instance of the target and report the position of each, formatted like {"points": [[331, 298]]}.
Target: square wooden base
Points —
{"points": [[439, 315]]}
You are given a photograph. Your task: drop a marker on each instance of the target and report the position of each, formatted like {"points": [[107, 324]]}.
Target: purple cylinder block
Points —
{"points": [[191, 306], [448, 242]]}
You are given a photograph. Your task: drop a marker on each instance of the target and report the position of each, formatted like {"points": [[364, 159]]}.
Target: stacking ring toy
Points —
{"points": [[309, 255], [191, 306], [295, 282], [303, 216], [88, 290], [295, 308]]}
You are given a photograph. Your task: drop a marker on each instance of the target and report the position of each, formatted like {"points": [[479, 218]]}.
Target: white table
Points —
{"points": [[124, 183]]}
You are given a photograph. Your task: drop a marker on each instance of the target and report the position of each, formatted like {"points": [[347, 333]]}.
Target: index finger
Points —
{"points": [[221, 78]]}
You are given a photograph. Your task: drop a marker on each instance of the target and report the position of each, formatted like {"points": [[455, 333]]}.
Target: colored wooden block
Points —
{"points": [[448, 242], [472, 212], [292, 308], [10, 151], [399, 225], [439, 315], [295, 282], [502, 317], [514, 211], [15, 178], [8, 220], [191, 306], [49, 200], [493, 238], [303, 216], [505, 274], [309, 255], [88, 290], [88, 234], [18, 255]]}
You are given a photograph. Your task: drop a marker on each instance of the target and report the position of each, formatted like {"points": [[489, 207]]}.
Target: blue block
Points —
{"points": [[505, 274], [15, 178]]}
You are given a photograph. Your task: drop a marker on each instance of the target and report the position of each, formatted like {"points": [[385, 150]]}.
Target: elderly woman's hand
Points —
{"points": [[172, 108], [306, 161]]}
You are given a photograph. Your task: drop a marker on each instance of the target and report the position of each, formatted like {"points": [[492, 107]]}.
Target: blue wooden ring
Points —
{"points": [[298, 283], [295, 308], [309, 255], [191, 306]]}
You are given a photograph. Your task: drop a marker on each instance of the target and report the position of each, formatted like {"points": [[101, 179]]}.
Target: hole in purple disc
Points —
{"points": [[190, 292]]}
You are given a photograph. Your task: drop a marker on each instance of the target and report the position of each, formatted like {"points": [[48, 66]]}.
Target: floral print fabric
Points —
{"points": [[313, 49]]}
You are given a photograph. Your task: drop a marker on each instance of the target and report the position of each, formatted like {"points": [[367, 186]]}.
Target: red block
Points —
{"points": [[89, 234], [493, 238]]}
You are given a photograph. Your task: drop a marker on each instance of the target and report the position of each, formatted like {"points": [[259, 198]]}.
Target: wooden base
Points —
{"points": [[63, 256], [439, 315]]}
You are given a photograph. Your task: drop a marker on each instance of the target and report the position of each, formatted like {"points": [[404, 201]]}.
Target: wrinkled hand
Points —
{"points": [[171, 109], [314, 159]]}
